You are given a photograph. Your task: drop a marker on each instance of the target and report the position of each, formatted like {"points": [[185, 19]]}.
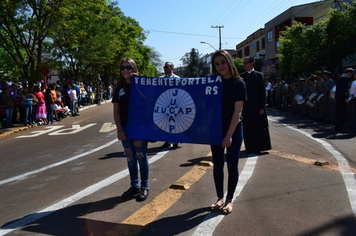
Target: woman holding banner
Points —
{"points": [[233, 97], [135, 150]]}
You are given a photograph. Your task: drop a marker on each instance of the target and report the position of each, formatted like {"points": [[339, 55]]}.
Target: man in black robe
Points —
{"points": [[255, 123]]}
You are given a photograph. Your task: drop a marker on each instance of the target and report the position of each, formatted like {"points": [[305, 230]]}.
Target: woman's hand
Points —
{"points": [[121, 135], [227, 141]]}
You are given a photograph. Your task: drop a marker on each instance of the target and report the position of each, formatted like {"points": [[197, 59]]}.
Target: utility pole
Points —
{"points": [[198, 64], [219, 27]]}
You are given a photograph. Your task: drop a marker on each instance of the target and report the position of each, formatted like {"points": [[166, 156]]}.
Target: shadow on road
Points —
{"points": [[343, 226], [71, 221], [321, 129]]}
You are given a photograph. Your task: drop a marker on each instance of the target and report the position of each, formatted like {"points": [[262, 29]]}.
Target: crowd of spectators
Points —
{"points": [[314, 97], [38, 103]]}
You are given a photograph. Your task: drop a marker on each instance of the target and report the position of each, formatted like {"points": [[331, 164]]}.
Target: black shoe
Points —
{"points": [[131, 192], [144, 194], [165, 145], [175, 146]]}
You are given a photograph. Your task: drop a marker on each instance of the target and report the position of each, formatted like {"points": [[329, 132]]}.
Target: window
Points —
{"points": [[239, 54], [263, 43], [247, 51], [269, 36], [257, 46]]}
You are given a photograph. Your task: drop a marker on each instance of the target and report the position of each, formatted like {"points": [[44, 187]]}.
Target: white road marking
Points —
{"points": [[56, 164], [212, 220], [40, 132], [107, 127], [67, 201], [345, 170], [75, 129]]}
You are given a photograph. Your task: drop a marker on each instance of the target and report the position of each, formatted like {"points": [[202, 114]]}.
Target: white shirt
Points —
{"points": [[72, 94], [353, 89], [170, 76], [269, 86]]}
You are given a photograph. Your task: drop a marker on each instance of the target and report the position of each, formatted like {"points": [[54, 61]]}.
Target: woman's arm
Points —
{"points": [[233, 124], [120, 133], [25, 98]]}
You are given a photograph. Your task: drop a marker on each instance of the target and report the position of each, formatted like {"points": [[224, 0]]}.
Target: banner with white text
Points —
{"points": [[186, 110]]}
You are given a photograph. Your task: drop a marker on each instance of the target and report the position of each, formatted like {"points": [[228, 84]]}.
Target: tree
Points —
{"points": [[305, 49], [24, 27], [239, 63], [7, 66], [190, 62], [93, 37]]}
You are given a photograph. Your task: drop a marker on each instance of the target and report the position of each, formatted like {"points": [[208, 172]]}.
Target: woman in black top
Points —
{"points": [[135, 150], [234, 95]]}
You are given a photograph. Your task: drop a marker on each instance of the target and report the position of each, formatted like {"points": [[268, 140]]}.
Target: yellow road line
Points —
{"points": [[301, 159], [165, 200], [148, 213]]}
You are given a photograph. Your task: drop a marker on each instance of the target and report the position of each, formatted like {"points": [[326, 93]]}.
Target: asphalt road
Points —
{"points": [[67, 179]]}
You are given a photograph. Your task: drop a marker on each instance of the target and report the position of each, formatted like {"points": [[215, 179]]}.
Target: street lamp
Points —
{"points": [[208, 44]]}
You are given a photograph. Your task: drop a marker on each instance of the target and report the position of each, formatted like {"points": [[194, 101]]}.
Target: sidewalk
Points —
{"points": [[20, 127]]}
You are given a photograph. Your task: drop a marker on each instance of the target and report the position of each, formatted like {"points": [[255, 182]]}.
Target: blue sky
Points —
{"points": [[175, 27]]}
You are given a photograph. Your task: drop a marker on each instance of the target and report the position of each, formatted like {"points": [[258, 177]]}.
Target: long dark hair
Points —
{"points": [[122, 81], [230, 61]]}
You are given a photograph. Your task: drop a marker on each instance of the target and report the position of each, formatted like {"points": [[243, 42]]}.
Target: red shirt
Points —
{"points": [[40, 97]]}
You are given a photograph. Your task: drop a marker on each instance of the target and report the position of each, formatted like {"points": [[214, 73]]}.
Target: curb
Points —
{"points": [[32, 126], [16, 131]]}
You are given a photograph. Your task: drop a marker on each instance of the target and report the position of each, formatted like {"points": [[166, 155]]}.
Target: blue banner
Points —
{"points": [[186, 110]]}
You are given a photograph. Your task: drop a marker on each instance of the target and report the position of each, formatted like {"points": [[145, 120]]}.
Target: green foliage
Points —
{"points": [[24, 26], [190, 62], [8, 68], [305, 49], [239, 63], [80, 39]]}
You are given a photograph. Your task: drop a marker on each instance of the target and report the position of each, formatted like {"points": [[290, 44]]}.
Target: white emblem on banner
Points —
{"points": [[174, 111]]}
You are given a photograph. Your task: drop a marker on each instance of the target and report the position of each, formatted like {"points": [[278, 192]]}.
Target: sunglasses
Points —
{"points": [[126, 67], [166, 67]]}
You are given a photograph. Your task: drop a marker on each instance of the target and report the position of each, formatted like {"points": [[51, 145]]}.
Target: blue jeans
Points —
{"points": [[136, 152], [232, 159], [50, 113], [8, 116], [73, 107], [27, 114]]}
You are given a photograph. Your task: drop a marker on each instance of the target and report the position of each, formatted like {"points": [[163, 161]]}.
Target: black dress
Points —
{"points": [[255, 126]]}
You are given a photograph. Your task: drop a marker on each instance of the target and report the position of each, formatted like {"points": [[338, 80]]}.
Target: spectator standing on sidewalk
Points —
{"points": [[41, 112], [8, 102], [50, 103], [135, 149], [269, 93], [73, 99], [79, 97], [14, 94], [168, 73], [27, 101]]}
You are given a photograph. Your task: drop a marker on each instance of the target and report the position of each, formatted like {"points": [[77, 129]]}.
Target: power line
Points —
{"points": [[200, 35]]}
